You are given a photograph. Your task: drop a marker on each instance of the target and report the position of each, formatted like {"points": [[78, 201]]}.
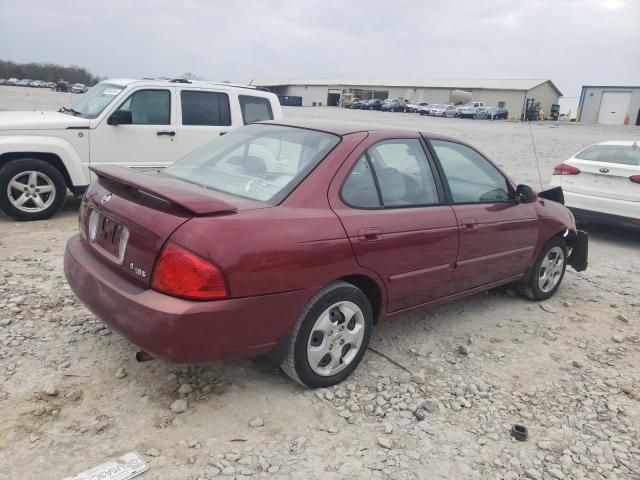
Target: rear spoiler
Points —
{"points": [[191, 198]]}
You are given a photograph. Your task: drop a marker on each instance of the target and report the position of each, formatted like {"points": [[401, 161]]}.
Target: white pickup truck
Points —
{"points": [[142, 124]]}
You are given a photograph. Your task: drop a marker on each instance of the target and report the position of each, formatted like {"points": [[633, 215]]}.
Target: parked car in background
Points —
{"points": [[373, 104], [125, 122], [25, 82], [62, 86], [78, 88], [450, 111], [144, 263], [393, 105], [424, 109], [357, 104], [12, 81], [3, 81], [38, 84], [468, 110], [417, 105], [492, 113], [602, 183], [440, 110]]}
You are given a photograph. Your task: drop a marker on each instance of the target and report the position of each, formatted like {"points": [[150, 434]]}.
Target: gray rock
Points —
{"points": [[256, 422], [121, 373], [179, 406], [618, 338], [153, 452], [430, 405], [622, 318], [463, 350], [51, 390], [555, 473], [185, 389], [385, 442]]}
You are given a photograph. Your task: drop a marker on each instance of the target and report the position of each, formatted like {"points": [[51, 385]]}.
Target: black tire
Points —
{"points": [[296, 362], [9, 170], [531, 289]]}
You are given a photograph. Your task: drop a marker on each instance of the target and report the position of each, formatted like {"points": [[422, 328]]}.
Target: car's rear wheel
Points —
{"points": [[31, 189], [330, 337], [548, 271]]}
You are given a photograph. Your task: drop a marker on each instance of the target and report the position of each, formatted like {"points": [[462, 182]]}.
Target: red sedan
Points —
{"points": [[295, 239]]}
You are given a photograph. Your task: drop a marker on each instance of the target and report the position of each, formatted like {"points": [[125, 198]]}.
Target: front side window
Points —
{"points": [[255, 109], [260, 162], [471, 178], [624, 154], [148, 107], [93, 103], [205, 108]]}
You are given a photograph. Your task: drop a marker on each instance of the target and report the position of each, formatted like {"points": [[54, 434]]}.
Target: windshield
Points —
{"points": [[92, 103], [624, 154], [260, 162]]}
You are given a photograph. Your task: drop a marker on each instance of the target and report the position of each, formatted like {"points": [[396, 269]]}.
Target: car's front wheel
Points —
{"points": [[31, 189], [548, 271], [330, 337]]}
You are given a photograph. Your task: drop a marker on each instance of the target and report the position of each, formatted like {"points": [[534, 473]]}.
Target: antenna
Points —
{"points": [[535, 154]]}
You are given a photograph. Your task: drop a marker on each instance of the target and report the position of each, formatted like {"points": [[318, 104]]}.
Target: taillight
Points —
{"points": [[182, 273], [635, 178], [564, 169]]}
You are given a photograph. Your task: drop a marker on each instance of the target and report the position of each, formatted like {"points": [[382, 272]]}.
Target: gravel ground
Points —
{"points": [[439, 404]]}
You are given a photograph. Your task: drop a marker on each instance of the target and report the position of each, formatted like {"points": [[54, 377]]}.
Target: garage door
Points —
{"points": [[613, 107]]}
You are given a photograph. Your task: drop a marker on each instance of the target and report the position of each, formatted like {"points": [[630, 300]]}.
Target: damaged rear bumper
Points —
{"points": [[578, 258]]}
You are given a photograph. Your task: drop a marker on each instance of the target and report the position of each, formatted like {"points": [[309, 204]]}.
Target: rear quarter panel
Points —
{"points": [[296, 245]]}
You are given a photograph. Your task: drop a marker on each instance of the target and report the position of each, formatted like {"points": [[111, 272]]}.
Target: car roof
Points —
{"points": [[620, 143], [347, 128], [124, 82]]}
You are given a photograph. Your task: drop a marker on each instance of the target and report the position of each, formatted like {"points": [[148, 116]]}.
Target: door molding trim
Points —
{"points": [[495, 255]]}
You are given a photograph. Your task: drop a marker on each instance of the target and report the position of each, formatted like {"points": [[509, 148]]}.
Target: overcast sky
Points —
{"points": [[572, 42]]}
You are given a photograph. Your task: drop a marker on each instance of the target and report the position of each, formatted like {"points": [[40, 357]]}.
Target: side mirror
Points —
{"points": [[525, 194], [120, 117]]}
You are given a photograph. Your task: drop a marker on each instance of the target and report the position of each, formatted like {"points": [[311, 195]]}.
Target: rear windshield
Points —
{"points": [[260, 162], [624, 154]]}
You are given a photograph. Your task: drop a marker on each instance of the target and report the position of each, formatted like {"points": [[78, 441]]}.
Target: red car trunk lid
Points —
{"points": [[127, 216]]}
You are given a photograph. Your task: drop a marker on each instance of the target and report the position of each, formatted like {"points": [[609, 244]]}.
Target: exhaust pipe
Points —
{"points": [[143, 356]]}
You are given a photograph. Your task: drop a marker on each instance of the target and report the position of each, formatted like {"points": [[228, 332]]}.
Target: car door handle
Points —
{"points": [[469, 223], [168, 133], [223, 133], [369, 234]]}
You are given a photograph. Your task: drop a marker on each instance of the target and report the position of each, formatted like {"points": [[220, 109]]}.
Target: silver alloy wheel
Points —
{"points": [[551, 269], [31, 191], [335, 338]]}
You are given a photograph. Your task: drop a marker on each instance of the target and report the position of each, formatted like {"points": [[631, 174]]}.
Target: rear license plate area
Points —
{"points": [[108, 236]]}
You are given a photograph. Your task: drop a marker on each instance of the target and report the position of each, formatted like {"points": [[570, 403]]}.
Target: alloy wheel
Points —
{"points": [[31, 191]]}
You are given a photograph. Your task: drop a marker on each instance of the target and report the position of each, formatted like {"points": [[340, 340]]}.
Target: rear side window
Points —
{"points": [[205, 108], [255, 109], [359, 189], [394, 173], [626, 155]]}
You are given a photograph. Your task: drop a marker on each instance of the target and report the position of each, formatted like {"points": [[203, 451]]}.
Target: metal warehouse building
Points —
{"points": [[511, 94], [612, 105]]}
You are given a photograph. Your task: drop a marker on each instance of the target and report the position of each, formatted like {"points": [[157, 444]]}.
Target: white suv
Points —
{"points": [[142, 124]]}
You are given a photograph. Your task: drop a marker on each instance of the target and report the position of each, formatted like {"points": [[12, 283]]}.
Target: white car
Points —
{"points": [[602, 183], [142, 124]]}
